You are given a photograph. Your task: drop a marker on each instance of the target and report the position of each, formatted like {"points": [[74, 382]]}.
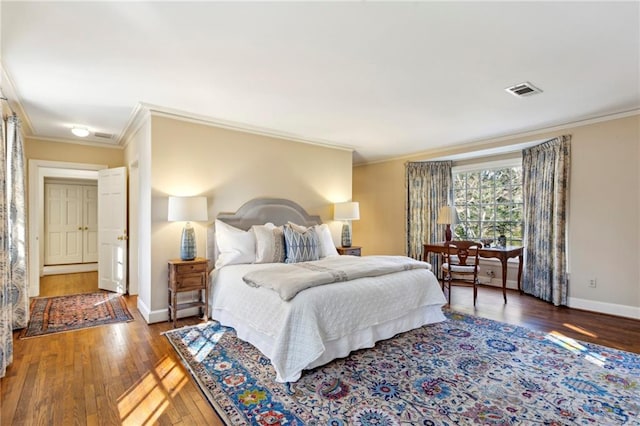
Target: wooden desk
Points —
{"points": [[501, 253]]}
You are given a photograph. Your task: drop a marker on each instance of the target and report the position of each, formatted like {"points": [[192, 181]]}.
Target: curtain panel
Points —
{"points": [[14, 298], [429, 186], [545, 172]]}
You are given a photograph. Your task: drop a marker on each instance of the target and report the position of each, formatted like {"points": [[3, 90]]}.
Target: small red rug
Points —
{"points": [[58, 314]]}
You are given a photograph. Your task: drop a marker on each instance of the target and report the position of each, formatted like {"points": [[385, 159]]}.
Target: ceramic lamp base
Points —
{"points": [[188, 243], [346, 235]]}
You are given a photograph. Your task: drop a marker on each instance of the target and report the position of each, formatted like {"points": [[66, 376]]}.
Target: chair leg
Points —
{"points": [[475, 294]]}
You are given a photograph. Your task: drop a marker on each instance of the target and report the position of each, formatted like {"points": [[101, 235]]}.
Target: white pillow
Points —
{"points": [[327, 248], [270, 247], [235, 246]]}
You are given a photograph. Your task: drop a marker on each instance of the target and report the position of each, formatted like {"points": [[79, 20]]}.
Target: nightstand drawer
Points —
{"points": [[189, 269], [349, 251], [190, 281]]}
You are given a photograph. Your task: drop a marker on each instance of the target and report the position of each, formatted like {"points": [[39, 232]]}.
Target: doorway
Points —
{"points": [[38, 171], [70, 236]]}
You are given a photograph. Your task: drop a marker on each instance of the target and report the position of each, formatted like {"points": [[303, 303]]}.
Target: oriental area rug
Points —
{"points": [[466, 370], [58, 314]]}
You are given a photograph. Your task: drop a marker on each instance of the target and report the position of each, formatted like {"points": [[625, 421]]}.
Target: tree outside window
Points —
{"points": [[489, 204]]}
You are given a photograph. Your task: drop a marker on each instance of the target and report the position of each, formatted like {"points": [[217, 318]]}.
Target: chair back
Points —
{"points": [[461, 266], [459, 252]]}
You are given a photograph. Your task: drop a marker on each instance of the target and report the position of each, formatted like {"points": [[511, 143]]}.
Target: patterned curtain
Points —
{"points": [[429, 187], [545, 171], [14, 299]]}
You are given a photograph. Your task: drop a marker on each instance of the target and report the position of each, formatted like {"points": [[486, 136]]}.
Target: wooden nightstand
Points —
{"points": [[188, 275], [352, 251]]}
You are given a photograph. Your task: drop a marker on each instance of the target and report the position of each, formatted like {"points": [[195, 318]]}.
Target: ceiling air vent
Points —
{"points": [[523, 89], [103, 135]]}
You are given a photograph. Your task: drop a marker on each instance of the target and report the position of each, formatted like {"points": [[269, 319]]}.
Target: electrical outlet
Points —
{"points": [[592, 283], [490, 273]]}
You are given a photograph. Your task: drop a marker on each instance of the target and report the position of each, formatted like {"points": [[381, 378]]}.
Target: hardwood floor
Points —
{"points": [[129, 374], [528, 311], [123, 373], [58, 285]]}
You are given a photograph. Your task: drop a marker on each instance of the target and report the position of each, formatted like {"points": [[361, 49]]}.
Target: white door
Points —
{"points": [[64, 228], [112, 229]]}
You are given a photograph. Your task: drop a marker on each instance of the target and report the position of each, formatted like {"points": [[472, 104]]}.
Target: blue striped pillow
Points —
{"points": [[301, 246]]}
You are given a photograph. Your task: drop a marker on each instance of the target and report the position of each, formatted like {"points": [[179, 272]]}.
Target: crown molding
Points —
{"points": [[160, 111], [139, 115], [7, 88], [90, 143], [481, 144]]}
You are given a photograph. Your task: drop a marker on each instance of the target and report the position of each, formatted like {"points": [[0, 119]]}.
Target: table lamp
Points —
{"points": [[187, 209], [447, 215], [346, 211]]}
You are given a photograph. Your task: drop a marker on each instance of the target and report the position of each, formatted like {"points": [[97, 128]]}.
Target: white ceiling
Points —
{"points": [[386, 79]]}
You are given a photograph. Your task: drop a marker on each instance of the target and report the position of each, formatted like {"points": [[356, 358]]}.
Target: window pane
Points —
{"points": [[488, 213], [473, 180], [488, 196], [473, 212], [473, 230]]}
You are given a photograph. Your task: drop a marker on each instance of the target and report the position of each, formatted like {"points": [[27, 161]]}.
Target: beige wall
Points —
{"points": [[604, 222], [229, 168], [38, 149], [380, 190]]}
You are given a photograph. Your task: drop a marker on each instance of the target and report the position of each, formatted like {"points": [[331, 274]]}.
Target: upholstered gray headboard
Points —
{"points": [[258, 212]]}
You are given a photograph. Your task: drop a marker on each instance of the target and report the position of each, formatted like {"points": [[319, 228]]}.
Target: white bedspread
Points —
{"points": [[324, 322]]}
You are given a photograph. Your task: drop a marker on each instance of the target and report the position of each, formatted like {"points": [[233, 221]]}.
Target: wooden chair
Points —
{"points": [[460, 266]]}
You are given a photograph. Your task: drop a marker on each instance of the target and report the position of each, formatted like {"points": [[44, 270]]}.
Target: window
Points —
{"points": [[488, 198]]}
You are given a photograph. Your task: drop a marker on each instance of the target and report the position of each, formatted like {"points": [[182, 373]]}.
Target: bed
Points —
{"points": [[321, 323]]}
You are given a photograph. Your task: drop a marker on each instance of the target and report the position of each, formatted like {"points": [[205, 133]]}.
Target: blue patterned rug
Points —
{"points": [[467, 370]]}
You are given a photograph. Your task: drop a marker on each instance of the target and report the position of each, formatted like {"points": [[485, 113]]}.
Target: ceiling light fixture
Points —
{"points": [[81, 132]]}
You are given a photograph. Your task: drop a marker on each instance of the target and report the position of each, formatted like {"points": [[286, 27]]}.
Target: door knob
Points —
{"points": [[79, 228]]}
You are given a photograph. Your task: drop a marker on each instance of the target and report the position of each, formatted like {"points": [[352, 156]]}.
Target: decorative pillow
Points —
{"points": [[270, 246], [297, 227], [235, 246], [327, 247], [300, 246]]}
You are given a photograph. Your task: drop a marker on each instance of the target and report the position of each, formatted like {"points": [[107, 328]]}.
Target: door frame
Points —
{"points": [[38, 170]]}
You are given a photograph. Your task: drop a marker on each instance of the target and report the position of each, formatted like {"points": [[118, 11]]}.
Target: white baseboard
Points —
{"points": [[604, 308], [572, 302], [69, 269], [143, 309], [162, 315]]}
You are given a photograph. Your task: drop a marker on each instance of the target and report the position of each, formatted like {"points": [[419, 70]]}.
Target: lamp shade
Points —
{"points": [[447, 215], [187, 209], [346, 211]]}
